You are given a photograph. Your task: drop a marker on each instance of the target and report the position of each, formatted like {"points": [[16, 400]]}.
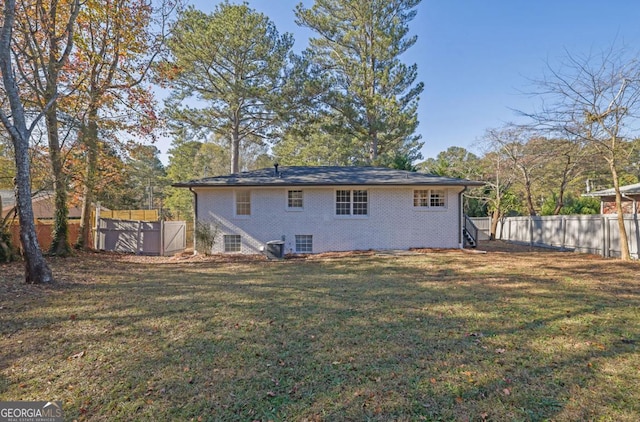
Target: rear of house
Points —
{"points": [[320, 209]]}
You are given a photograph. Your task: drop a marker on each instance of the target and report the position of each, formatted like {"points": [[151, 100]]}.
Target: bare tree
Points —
{"points": [[594, 100], [499, 177], [518, 145], [36, 268], [565, 162]]}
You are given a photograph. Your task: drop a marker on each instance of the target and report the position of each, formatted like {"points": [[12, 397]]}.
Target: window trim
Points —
{"points": [[444, 199], [227, 237], [351, 203], [428, 200], [308, 237], [235, 203], [288, 198]]}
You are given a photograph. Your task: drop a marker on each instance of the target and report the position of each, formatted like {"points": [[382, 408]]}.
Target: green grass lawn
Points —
{"points": [[436, 336]]}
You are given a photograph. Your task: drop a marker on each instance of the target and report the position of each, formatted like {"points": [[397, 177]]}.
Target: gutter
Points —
{"points": [[284, 183], [195, 218], [460, 216]]}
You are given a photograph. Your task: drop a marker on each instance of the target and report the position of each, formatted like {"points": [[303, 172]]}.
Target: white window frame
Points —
{"points": [[236, 203], [427, 197], [306, 240], [289, 199], [226, 243], [352, 203], [441, 199]]}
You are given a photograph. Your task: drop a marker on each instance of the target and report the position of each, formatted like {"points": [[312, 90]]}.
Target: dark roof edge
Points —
{"points": [[271, 185]]}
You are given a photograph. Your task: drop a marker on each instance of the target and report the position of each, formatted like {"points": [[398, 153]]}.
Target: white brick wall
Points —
{"points": [[392, 223]]}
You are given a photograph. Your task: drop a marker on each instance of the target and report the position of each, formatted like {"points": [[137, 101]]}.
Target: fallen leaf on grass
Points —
{"points": [[506, 392], [77, 355]]}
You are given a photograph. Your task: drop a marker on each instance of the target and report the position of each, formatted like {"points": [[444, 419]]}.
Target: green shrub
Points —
{"points": [[206, 233]]}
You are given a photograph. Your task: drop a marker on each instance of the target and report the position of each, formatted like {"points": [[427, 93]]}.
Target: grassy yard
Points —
{"points": [[442, 335]]}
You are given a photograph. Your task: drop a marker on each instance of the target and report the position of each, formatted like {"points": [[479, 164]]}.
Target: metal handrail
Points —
{"points": [[471, 228]]}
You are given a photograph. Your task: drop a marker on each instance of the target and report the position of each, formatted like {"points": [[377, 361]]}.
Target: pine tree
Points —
{"points": [[227, 71], [371, 93]]}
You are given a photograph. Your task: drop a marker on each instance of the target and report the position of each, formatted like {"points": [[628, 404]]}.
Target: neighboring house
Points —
{"points": [[320, 209], [43, 205], [630, 198]]}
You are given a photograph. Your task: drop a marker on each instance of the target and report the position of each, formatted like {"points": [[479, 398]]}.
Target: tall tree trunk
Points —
{"points": [[36, 268], [563, 185], [527, 189], [559, 202], [60, 245], [625, 253], [235, 147], [495, 219], [373, 147], [90, 140]]}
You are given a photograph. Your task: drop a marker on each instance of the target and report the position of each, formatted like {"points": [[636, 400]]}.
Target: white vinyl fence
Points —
{"points": [[597, 234]]}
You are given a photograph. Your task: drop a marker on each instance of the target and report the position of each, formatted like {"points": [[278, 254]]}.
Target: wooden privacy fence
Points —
{"points": [[134, 215], [141, 237], [44, 231], [597, 234]]}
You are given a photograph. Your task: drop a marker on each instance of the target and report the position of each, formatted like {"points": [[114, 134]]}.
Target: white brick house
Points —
{"points": [[320, 209]]}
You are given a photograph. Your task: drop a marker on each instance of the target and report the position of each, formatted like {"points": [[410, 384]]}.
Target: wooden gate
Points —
{"points": [[174, 237]]}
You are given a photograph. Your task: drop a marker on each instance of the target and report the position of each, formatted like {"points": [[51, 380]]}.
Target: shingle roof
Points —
{"points": [[327, 176], [628, 190], [9, 197]]}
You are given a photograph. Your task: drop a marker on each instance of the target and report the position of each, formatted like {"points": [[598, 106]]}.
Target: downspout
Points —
{"points": [[460, 217], [195, 218]]}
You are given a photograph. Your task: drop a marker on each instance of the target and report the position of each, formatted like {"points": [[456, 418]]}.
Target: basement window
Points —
{"points": [[304, 243], [232, 242]]}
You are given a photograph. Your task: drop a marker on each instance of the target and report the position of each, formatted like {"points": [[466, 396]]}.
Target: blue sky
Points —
{"points": [[477, 57]]}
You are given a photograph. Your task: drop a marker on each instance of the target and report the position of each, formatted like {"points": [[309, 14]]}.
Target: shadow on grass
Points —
{"points": [[431, 337]]}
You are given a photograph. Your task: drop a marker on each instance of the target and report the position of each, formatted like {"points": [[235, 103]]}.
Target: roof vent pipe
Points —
{"points": [[276, 168]]}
